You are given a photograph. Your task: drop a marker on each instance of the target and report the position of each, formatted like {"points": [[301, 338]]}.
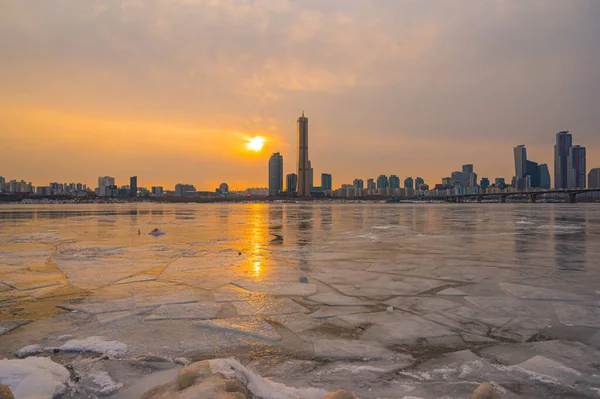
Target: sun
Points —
{"points": [[256, 143]]}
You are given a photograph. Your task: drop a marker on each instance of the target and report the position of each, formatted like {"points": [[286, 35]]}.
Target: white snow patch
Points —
{"points": [[94, 344], [260, 386], [29, 350], [34, 377]]}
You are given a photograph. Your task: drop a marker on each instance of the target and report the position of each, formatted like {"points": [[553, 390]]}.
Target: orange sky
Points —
{"points": [[171, 90]]}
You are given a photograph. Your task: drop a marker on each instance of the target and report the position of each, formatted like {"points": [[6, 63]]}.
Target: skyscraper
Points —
{"points": [[485, 183], [419, 182], [408, 183], [544, 176], [326, 182], [133, 186], [291, 182], [371, 184], [311, 175], [562, 150], [103, 183], [577, 167], [467, 169], [303, 162], [394, 181], [275, 174], [594, 178], [520, 161], [358, 184], [382, 182]]}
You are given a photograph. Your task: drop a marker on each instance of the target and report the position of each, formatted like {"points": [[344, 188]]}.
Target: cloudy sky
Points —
{"points": [[170, 90]]}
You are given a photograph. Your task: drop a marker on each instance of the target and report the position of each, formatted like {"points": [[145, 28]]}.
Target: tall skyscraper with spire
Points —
{"points": [[303, 162]]}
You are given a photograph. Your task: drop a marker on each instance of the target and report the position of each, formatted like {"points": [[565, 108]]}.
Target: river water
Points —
{"points": [[396, 300]]}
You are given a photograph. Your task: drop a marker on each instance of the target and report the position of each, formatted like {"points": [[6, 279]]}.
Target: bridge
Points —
{"points": [[530, 195]]}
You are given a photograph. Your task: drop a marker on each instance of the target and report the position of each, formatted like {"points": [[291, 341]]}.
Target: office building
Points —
{"points": [[133, 188], [484, 183], [457, 179], [594, 178], [157, 190], [103, 183], [418, 183], [562, 150], [409, 183], [382, 182], [311, 175], [303, 161], [371, 186], [183, 190], [520, 161], [394, 182], [467, 169], [544, 176], [576, 168], [291, 182], [275, 174], [326, 182], [358, 184]]}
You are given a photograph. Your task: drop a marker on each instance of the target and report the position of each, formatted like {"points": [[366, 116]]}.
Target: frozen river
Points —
{"points": [[385, 300]]}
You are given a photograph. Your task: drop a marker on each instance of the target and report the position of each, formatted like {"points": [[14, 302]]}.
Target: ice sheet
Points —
{"points": [[262, 387], [255, 327], [332, 311], [335, 299], [452, 292], [421, 304], [278, 288], [95, 344], [341, 349], [6, 326], [34, 377], [268, 306], [187, 311], [538, 293], [578, 315], [296, 322], [231, 293]]}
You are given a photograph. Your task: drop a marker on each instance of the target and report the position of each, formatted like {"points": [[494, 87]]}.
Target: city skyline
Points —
{"points": [[149, 89]]}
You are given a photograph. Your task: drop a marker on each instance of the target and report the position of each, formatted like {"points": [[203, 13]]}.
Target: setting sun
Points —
{"points": [[256, 143]]}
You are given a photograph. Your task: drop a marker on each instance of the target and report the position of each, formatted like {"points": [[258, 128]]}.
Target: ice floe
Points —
{"points": [[262, 387], [332, 311], [278, 288], [452, 292], [28, 350], [255, 327], [578, 315], [268, 306], [6, 326], [335, 299], [231, 293], [186, 311], [95, 344], [538, 293], [34, 377], [338, 349], [421, 304]]}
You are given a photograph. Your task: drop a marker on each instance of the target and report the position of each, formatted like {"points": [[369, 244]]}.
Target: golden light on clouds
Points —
{"points": [[256, 143]]}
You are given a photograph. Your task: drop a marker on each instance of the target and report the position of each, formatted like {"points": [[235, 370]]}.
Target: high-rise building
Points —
{"points": [[182, 190], [303, 161], [594, 178], [485, 183], [419, 182], [103, 183], [562, 149], [457, 179], [133, 186], [394, 181], [157, 190], [311, 175], [291, 182], [382, 182], [577, 168], [371, 186], [358, 184], [520, 161], [409, 183], [467, 169], [544, 176], [533, 175], [326, 182], [275, 174]]}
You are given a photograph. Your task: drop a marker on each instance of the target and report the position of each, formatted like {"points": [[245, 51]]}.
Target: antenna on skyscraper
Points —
{"points": [[303, 113]]}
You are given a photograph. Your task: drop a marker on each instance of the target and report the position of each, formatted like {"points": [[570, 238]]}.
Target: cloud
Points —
{"points": [[372, 75]]}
